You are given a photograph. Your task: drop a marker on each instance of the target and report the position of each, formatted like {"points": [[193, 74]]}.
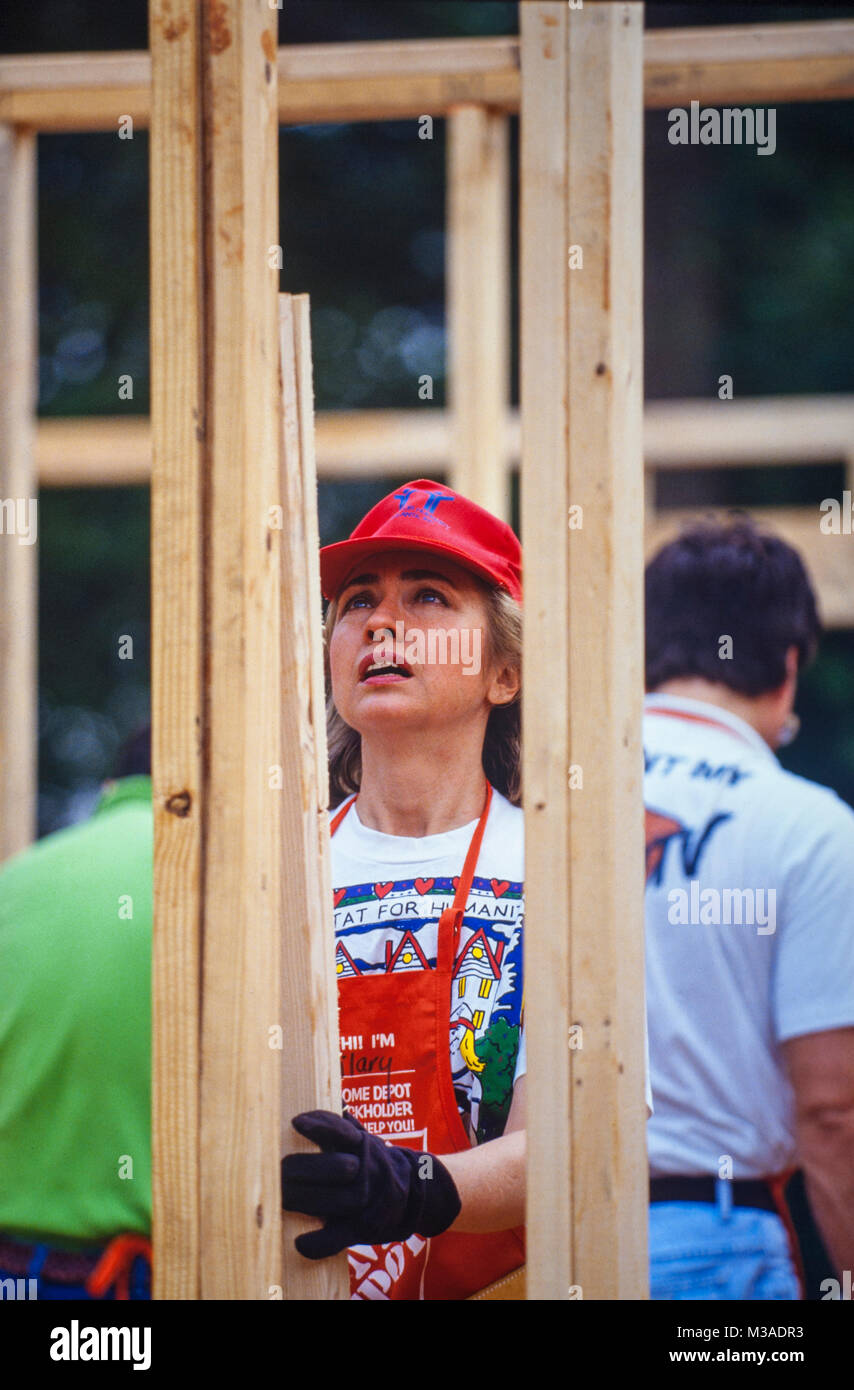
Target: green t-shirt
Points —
{"points": [[75, 1027]]}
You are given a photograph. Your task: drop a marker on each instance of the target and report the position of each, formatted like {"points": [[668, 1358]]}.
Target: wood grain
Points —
{"points": [[715, 64], [311, 1077], [478, 287], [177, 579], [18, 491], [239, 1091], [582, 446]]}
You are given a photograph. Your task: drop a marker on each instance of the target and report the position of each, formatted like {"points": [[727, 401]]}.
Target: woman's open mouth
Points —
{"points": [[385, 675], [373, 672]]}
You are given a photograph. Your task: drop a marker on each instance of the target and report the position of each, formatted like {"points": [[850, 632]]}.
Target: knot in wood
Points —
{"points": [[179, 804]]}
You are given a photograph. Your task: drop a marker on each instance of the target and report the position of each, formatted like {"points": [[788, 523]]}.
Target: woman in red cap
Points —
{"points": [[422, 1179]]}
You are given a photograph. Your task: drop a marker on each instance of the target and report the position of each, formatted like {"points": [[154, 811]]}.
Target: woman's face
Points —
{"points": [[409, 647]]}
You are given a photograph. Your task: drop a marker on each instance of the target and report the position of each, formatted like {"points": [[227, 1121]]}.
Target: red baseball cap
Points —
{"points": [[427, 516]]}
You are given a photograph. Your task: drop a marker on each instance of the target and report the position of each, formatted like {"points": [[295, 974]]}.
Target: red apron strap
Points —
{"points": [[467, 875], [340, 814], [777, 1185], [451, 920], [474, 850]]}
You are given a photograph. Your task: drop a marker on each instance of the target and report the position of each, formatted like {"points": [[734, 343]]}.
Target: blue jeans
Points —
{"points": [[703, 1251], [45, 1289]]}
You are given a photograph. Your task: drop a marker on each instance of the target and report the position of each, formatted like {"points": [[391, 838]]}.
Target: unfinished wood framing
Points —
{"points": [[177, 652], [752, 63], [810, 61], [18, 490], [223, 772], [239, 1093], [478, 310], [311, 1075], [114, 450], [758, 431], [241, 841], [581, 163]]}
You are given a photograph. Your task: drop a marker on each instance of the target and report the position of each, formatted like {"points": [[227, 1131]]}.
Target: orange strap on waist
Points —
{"points": [[115, 1265], [777, 1185]]}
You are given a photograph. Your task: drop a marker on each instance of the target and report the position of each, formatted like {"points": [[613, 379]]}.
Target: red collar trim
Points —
{"points": [[699, 719]]}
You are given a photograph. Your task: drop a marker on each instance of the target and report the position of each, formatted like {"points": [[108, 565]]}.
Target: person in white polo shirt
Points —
{"points": [[749, 927]]}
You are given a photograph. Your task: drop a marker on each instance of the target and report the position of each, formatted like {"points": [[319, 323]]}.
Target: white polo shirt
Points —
{"points": [[749, 932]]}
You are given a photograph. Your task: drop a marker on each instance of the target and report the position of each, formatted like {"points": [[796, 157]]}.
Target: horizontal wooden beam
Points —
{"points": [[93, 451], [749, 63], [811, 61], [760, 430], [114, 450], [828, 558]]}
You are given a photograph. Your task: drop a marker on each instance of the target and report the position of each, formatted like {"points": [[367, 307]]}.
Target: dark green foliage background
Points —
{"points": [[749, 265]]}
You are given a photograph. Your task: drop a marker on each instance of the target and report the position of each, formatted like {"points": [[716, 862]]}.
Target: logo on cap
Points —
{"points": [[423, 511]]}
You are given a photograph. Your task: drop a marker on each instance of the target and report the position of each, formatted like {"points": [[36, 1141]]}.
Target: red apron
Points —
{"points": [[395, 1049]]}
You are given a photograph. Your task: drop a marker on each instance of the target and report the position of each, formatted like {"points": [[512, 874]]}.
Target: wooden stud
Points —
{"points": [[581, 131], [751, 431], [240, 1091], [76, 91], [112, 450], [245, 1024], [95, 451], [714, 64], [780, 430], [478, 285], [752, 64], [178, 715], [311, 1077], [18, 490]]}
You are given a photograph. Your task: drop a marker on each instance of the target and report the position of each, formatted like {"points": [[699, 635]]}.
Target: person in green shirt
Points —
{"points": [[75, 1051]]}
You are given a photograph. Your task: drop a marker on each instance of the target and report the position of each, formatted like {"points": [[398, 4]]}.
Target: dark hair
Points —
{"points": [[722, 579], [134, 756]]}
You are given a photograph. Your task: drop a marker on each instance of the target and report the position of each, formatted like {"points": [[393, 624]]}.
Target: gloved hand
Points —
{"points": [[368, 1191]]}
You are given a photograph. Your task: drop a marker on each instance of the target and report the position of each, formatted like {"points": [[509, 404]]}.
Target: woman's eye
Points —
{"points": [[432, 594], [357, 601]]}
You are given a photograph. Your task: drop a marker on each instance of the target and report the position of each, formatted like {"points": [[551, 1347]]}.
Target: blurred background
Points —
{"points": [[749, 271]]}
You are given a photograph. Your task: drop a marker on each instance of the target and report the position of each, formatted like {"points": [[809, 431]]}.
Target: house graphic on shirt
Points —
{"points": [[345, 966], [408, 956], [474, 987]]}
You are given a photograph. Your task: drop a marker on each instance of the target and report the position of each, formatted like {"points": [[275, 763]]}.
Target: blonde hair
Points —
{"points": [[502, 743]]}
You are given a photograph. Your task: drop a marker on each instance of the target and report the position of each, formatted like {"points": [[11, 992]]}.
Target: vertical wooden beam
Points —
{"points": [[178, 717], [582, 121], [478, 279], [18, 489], [240, 1123], [218, 669], [311, 1076]]}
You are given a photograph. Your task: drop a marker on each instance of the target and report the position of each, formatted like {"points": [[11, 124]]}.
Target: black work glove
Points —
{"points": [[368, 1192]]}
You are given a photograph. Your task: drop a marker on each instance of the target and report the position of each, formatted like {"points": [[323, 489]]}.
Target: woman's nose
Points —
{"points": [[383, 617]]}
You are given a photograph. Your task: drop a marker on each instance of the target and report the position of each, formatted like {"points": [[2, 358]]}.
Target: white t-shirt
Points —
{"points": [[749, 937], [389, 892]]}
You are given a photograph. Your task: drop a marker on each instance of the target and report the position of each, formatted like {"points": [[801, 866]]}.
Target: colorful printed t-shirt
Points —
{"points": [[389, 893]]}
